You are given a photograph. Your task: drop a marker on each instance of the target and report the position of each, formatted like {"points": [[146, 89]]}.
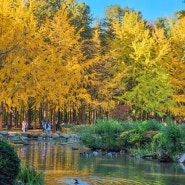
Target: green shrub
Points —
{"points": [[126, 136], [127, 125], [147, 125], [182, 131], [169, 139], [30, 176], [9, 164], [103, 134], [140, 133], [88, 137], [108, 131]]}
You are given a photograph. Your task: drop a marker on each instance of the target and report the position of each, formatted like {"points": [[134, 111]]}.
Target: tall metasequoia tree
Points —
{"points": [[15, 25], [176, 65], [79, 14], [17, 80], [64, 62], [101, 88], [146, 83]]}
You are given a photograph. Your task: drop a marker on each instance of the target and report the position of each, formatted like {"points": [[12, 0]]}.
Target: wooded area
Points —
{"points": [[58, 63]]}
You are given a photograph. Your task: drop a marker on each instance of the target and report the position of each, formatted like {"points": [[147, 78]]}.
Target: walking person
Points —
{"points": [[24, 126], [48, 128], [43, 126]]}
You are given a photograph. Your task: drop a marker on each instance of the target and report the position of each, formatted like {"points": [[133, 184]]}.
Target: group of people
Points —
{"points": [[46, 127]]}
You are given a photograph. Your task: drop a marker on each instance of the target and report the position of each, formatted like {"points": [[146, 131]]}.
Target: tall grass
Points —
{"points": [[30, 176]]}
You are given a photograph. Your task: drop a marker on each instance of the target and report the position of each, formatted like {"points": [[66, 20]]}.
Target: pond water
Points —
{"points": [[62, 165]]}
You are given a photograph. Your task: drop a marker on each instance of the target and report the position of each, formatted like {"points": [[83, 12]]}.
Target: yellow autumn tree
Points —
{"points": [[176, 65], [100, 74], [17, 84], [17, 35], [12, 29], [147, 87], [63, 63]]}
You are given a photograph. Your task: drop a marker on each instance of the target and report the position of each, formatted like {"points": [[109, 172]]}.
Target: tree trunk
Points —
{"points": [[59, 116], [11, 118], [40, 114], [1, 124], [35, 118], [46, 111], [83, 114]]}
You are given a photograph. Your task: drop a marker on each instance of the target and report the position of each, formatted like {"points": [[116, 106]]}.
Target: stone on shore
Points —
{"points": [[43, 135], [4, 133], [55, 136], [66, 136], [12, 134], [24, 134], [182, 158]]}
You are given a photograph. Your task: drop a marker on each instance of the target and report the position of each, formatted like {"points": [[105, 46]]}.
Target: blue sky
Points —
{"points": [[151, 9]]}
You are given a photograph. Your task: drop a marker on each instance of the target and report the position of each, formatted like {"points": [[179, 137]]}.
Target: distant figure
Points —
{"points": [[43, 126], [24, 126], [75, 181], [7, 126], [27, 126], [48, 128]]}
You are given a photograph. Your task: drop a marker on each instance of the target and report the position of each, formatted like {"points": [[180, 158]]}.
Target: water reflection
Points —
{"points": [[62, 164]]}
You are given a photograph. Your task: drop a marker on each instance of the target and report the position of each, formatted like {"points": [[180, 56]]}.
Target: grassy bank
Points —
{"points": [[141, 137]]}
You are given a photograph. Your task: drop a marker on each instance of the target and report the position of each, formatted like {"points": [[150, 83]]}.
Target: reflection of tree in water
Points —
{"points": [[23, 151], [60, 162], [46, 155]]}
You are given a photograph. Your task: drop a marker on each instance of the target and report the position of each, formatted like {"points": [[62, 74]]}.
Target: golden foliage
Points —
{"points": [[176, 65]]}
